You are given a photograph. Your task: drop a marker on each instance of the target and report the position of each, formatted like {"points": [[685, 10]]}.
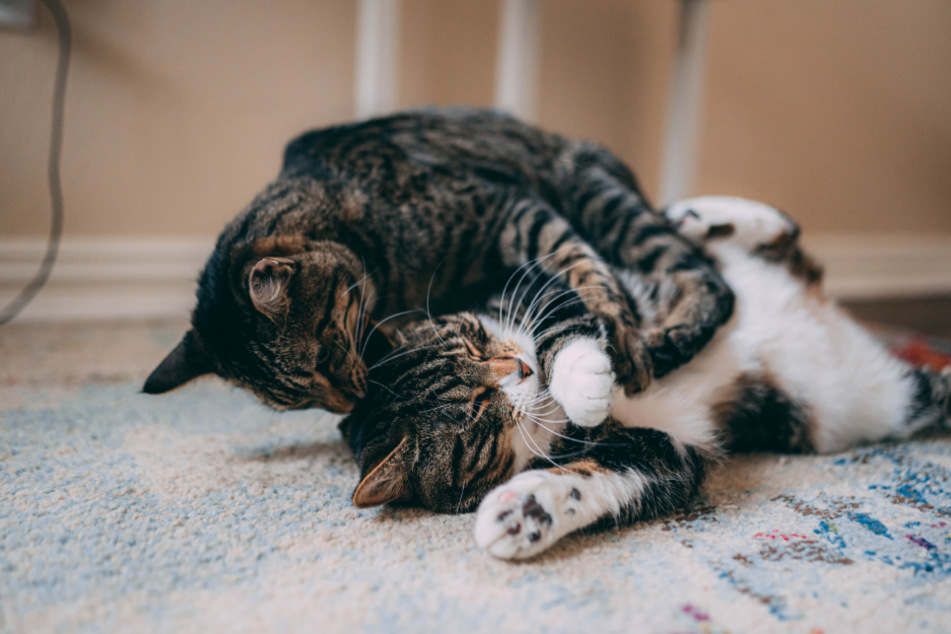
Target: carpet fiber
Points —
{"points": [[202, 511]]}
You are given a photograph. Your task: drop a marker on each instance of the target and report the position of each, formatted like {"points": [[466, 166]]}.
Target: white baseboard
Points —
{"points": [[882, 267], [106, 278], [132, 278]]}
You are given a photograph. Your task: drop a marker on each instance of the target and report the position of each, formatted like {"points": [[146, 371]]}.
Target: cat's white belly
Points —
{"points": [[679, 404], [854, 389]]}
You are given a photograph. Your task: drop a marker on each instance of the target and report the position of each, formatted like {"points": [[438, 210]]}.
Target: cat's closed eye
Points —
{"points": [[474, 352], [322, 355], [481, 399]]}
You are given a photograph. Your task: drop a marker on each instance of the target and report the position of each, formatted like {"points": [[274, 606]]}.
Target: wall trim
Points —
{"points": [[135, 278], [882, 267], [106, 278]]}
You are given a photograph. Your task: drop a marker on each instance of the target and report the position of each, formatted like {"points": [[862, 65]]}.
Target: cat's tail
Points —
{"points": [[930, 402]]}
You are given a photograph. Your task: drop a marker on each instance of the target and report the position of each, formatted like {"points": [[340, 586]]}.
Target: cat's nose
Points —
{"points": [[523, 370], [505, 367]]}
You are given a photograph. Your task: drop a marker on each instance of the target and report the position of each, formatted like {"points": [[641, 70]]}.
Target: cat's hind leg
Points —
{"points": [[629, 474], [745, 223], [721, 223]]}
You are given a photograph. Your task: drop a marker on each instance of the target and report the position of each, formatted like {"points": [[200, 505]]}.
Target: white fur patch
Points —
{"points": [[535, 509], [542, 416], [582, 382], [753, 223]]}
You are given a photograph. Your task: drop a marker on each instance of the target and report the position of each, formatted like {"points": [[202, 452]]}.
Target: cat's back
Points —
{"points": [[451, 141]]}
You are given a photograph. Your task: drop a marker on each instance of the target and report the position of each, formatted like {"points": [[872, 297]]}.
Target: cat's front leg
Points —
{"points": [[532, 511], [628, 475], [608, 209], [538, 239]]}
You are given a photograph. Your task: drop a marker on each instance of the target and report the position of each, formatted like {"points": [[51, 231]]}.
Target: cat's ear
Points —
{"points": [[386, 482], [182, 364], [267, 285]]}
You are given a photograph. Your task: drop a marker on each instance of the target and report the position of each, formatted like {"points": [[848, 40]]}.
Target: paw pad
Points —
{"points": [[514, 523]]}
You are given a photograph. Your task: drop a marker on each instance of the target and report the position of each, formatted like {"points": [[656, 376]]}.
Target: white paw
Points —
{"points": [[527, 515], [582, 382], [744, 222]]}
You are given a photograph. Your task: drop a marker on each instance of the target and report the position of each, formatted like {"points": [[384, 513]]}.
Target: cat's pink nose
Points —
{"points": [[523, 370]]}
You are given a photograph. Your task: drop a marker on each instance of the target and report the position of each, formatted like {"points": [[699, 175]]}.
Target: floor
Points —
{"points": [[202, 511]]}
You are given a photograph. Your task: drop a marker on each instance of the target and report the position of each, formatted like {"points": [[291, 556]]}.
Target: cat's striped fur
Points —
{"points": [[374, 222], [466, 406]]}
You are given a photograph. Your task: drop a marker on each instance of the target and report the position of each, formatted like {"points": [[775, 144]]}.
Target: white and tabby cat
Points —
{"points": [[466, 406]]}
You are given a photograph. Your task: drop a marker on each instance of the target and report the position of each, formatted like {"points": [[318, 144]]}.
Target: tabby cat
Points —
{"points": [[465, 404], [371, 222]]}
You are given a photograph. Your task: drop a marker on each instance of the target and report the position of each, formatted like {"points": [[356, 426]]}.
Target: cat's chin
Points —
{"points": [[335, 403], [523, 393]]}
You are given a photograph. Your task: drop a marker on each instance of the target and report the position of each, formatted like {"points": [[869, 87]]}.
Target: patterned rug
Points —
{"points": [[201, 511]]}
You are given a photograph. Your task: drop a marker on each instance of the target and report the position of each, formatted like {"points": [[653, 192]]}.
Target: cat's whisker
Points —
{"points": [[540, 419], [541, 415], [461, 494], [434, 409], [546, 310], [530, 325], [529, 441], [366, 340], [516, 304], [363, 308], [359, 282], [385, 387], [429, 312], [355, 284], [536, 401], [554, 278], [589, 443], [551, 305], [513, 305], [527, 266], [545, 332], [540, 295], [347, 351], [365, 298], [520, 303], [542, 397], [393, 355]]}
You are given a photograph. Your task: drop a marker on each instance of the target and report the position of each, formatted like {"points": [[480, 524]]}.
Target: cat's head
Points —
{"points": [[282, 318], [455, 410]]}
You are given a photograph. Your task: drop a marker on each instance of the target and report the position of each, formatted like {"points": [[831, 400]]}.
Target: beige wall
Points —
{"points": [[605, 75], [177, 111], [447, 52], [839, 111]]}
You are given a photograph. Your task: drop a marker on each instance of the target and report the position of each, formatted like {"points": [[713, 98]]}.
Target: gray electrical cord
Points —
{"points": [[29, 291]]}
